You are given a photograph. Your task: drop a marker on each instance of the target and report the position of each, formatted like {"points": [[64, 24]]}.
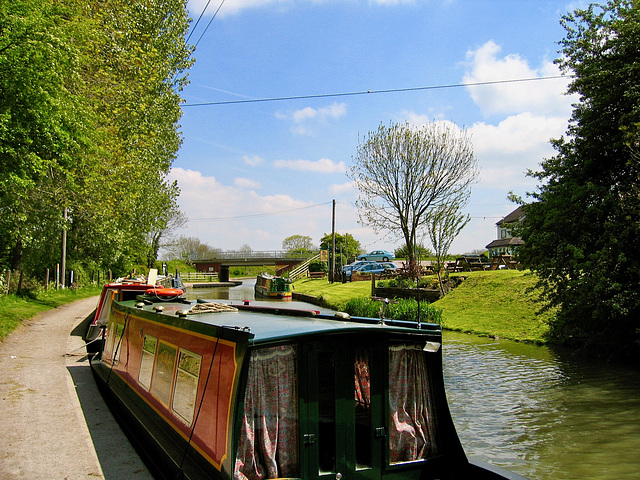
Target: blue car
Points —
{"points": [[378, 256], [355, 265], [375, 268]]}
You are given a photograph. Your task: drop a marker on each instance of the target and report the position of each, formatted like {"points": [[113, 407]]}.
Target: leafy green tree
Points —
{"points": [[45, 126], [89, 105], [419, 250], [582, 231], [403, 172], [298, 244], [347, 244]]}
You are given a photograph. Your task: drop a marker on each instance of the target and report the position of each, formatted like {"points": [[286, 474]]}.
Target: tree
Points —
{"points": [[582, 229], [297, 244], [345, 244], [445, 224], [89, 105], [45, 126], [189, 248], [403, 172], [419, 250]]}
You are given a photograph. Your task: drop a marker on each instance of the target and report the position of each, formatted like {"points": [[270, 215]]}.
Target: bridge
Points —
{"points": [[219, 262]]}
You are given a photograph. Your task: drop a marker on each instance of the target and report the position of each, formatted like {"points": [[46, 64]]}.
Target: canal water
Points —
{"points": [[535, 411]]}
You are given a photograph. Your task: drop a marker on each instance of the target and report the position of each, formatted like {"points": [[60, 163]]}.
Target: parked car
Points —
{"points": [[375, 267], [389, 265], [368, 268], [351, 266], [378, 256], [347, 269]]}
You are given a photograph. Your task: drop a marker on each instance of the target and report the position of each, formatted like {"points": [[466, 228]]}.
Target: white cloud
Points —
{"points": [[539, 96], [333, 111], [342, 189], [324, 165], [253, 161], [246, 183], [228, 217], [304, 117], [516, 134]]}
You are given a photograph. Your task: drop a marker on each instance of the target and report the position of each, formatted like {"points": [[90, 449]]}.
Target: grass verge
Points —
{"points": [[499, 303], [14, 309]]}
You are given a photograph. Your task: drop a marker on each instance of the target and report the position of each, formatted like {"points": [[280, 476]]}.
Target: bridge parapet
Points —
{"points": [[242, 254]]}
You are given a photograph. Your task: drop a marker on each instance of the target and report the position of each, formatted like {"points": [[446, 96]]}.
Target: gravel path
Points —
{"points": [[54, 423]]}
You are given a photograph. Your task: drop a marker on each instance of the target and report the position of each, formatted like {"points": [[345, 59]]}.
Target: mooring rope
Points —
{"points": [[212, 307]]}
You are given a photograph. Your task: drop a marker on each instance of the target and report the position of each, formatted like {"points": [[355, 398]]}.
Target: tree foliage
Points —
{"points": [[89, 105], [298, 244], [345, 244], [404, 172], [582, 231], [419, 250]]}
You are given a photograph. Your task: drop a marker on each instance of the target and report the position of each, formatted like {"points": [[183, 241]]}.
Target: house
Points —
{"points": [[506, 244]]}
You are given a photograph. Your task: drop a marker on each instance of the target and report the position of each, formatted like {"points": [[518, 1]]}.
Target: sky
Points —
{"points": [[257, 166]]}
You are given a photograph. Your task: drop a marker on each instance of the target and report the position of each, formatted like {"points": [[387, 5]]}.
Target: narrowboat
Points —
{"points": [[271, 286], [221, 391], [166, 288]]}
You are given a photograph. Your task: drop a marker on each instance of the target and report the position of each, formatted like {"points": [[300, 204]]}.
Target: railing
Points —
{"points": [[303, 268], [191, 277], [233, 254]]}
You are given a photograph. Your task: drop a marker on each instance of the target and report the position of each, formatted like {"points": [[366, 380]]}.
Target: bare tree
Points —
{"points": [[403, 172], [445, 223]]}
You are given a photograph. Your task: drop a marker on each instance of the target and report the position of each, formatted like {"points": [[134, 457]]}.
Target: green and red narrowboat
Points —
{"points": [[272, 286], [241, 392]]}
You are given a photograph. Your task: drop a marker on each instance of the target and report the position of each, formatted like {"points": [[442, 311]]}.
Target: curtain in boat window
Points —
{"points": [[268, 445], [411, 422], [362, 379]]}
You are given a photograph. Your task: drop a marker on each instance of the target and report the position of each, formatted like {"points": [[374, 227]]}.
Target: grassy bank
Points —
{"points": [[15, 309], [496, 303]]}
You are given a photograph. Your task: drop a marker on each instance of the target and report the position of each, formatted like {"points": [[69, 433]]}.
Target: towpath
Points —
{"points": [[53, 422]]}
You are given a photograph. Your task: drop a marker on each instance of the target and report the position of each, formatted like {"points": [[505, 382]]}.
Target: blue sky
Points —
{"points": [[254, 173]]}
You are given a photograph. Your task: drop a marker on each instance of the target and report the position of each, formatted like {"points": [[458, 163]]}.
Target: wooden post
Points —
{"points": [[46, 281]]}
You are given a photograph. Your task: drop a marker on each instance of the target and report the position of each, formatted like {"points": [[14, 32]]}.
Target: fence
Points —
{"points": [[192, 277]]}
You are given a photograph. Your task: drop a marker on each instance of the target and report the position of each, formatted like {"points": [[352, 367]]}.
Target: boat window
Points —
{"points": [[411, 417], [146, 363], [184, 395], [114, 341], [163, 372], [268, 444], [105, 309], [362, 403]]}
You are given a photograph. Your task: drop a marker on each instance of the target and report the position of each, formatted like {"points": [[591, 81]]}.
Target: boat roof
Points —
{"points": [[270, 324]]}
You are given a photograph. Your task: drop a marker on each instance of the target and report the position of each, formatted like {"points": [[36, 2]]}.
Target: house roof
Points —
{"points": [[514, 216], [506, 242]]}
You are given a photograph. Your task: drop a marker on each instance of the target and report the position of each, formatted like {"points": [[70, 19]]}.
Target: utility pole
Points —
{"points": [[333, 242], [64, 247]]}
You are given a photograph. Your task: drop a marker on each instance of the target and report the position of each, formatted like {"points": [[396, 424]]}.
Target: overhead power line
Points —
{"points": [[253, 215], [371, 92]]}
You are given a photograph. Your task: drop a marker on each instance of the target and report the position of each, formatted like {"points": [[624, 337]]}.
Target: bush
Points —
{"points": [[404, 309], [318, 266]]}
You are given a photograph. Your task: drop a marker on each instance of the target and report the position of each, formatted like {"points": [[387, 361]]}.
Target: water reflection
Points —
{"points": [[541, 414]]}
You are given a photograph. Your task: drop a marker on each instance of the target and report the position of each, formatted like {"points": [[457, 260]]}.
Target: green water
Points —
{"points": [[543, 414]]}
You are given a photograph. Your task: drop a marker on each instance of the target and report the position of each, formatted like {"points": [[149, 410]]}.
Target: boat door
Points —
{"points": [[342, 410]]}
